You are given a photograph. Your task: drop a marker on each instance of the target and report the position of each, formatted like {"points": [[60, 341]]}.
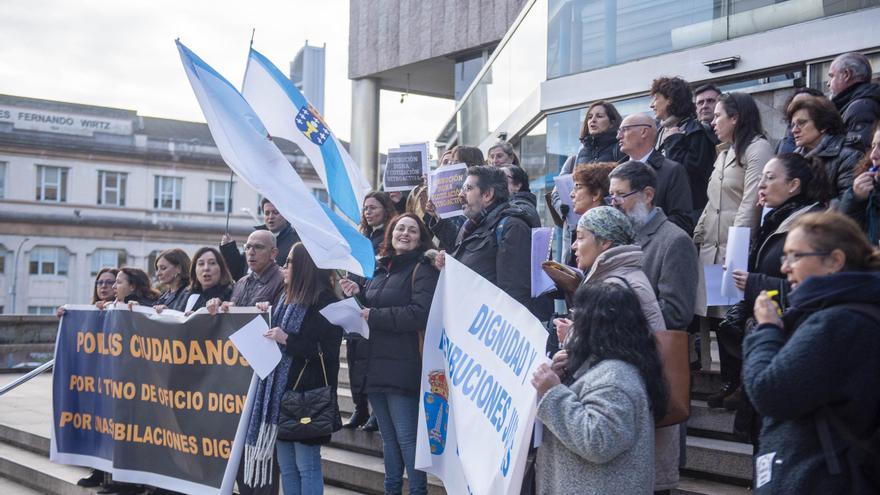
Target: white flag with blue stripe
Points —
{"points": [[247, 148], [287, 114]]}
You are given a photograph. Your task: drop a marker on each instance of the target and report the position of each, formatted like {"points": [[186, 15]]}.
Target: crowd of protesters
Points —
{"points": [[656, 195]]}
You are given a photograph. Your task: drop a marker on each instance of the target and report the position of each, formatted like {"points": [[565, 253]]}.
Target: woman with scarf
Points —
{"points": [[793, 186], [172, 272], [814, 372], [397, 301], [210, 278], [310, 346]]}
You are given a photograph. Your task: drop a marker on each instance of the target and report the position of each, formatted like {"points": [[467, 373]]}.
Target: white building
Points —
{"points": [[82, 187]]}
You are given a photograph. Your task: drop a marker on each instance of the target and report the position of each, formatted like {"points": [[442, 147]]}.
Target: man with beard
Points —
{"points": [[671, 265], [670, 260]]}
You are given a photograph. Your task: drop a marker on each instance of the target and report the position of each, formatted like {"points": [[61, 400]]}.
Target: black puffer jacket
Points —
{"points": [[694, 150], [528, 203], [602, 147], [859, 105], [399, 297], [827, 355], [506, 263], [840, 160], [864, 211]]}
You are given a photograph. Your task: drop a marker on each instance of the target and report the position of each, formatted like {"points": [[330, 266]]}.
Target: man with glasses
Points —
{"points": [[264, 283], [671, 265], [285, 238], [637, 135], [495, 240]]}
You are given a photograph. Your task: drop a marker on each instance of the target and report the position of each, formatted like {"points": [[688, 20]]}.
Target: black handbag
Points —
{"points": [[309, 414]]}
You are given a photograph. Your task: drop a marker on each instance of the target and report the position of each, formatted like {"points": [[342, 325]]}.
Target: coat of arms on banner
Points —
{"points": [[437, 411], [311, 125]]}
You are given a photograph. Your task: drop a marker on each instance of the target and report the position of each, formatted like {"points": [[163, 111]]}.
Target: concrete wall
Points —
{"points": [[385, 34], [26, 340]]}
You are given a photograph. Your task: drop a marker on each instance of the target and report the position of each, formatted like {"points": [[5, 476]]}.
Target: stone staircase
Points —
{"points": [[352, 463]]}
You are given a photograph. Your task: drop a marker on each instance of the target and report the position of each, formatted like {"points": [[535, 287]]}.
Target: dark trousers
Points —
{"points": [[730, 342], [270, 489], [354, 378]]}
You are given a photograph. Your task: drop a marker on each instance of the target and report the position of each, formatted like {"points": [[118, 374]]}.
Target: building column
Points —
{"points": [[364, 147]]}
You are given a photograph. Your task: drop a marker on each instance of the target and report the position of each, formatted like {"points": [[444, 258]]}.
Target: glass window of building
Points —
{"points": [[167, 193], [588, 34], [41, 310], [3, 253], [48, 260], [113, 258], [111, 188], [219, 196], [151, 263], [51, 184], [2, 180]]}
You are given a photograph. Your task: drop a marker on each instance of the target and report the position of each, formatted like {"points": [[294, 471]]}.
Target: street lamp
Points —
{"points": [[15, 272]]}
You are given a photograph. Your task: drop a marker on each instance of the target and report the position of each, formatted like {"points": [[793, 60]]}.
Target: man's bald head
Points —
{"points": [[637, 135], [260, 251]]}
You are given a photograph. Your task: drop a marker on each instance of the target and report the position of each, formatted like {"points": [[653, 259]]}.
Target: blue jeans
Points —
{"points": [[398, 416], [300, 467]]}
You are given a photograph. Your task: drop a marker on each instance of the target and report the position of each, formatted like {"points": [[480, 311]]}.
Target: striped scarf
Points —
{"points": [[262, 428]]}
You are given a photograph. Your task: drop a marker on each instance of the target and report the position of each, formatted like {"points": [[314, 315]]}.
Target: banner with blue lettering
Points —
{"points": [[152, 399], [477, 401]]}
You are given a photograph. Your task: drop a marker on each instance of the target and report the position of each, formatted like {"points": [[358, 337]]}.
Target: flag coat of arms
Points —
{"points": [[286, 113]]}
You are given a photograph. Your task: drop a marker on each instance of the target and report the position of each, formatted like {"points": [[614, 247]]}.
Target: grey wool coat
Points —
{"points": [[598, 434]]}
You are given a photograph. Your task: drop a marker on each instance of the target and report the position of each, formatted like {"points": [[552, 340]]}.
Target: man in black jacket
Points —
{"points": [[855, 96], [637, 135], [495, 241], [285, 238]]}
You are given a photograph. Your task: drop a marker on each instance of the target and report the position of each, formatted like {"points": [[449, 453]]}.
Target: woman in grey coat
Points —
{"points": [[599, 411]]}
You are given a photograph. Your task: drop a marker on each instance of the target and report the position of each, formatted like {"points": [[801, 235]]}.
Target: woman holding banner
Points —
{"points": [[209, 278], [132, 286], [310, 361], [397, 301], [172, 271], [599, 418]]}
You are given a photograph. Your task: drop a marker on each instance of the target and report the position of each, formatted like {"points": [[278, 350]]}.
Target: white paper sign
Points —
{"points": [[541, 283], [713, 274], [737, 258], [262, 353], [347, 314], [564, 186]]}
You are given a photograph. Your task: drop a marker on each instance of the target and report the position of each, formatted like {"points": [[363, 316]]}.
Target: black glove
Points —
{"points": [[563, 208]]}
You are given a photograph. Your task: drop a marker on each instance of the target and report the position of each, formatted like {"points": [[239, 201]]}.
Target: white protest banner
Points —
{"points": [[737, 258], [564, 186], [478, 403]]}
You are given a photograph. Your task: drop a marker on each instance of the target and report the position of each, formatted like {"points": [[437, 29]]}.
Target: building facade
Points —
{"points": [[83, 187], [558, 56]]}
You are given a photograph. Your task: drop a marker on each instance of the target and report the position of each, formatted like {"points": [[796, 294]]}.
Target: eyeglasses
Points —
{"points": [[792, 258], [104, 283], [800, 124], [615, 199], [255, 247], [622, 129]]}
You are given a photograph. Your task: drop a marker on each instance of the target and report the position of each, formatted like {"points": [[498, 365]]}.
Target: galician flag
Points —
{"points": [[287, 114], [247, 148]]}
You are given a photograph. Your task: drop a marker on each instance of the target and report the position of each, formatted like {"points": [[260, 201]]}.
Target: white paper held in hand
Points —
{"points": [[347, 314], [736, 258], [261, 352]]}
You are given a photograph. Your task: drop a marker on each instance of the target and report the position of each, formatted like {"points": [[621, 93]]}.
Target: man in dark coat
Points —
{"points": [[855, 96], [521, 195], [285, 238], [496, 240], [637, 135]]}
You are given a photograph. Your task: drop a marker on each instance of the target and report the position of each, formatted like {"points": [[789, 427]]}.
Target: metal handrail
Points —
{"points": [[26, 377]]}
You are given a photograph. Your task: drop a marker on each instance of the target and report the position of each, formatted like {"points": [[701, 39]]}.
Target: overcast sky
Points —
{"points": [[121, 54]]}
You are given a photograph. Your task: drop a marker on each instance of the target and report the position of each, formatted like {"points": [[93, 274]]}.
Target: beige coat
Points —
{"points": [[733, 197]]}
